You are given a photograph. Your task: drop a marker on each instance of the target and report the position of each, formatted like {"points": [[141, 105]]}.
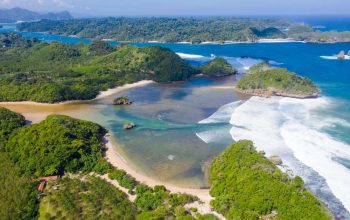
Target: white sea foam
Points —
{"points": [[223, 114], [334, 57], [287, 127], [242, 63], [190, 56]]}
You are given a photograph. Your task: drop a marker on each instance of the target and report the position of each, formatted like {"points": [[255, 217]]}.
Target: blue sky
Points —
{"points": [[185, 7]]}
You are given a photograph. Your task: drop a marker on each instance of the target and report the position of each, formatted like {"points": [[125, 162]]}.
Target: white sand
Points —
{"points": [[110, 92], [119, 162], [102, 95]]}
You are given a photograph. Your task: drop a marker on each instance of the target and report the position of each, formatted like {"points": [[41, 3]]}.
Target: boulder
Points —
{"points": [[276, 160], [341, 55], [129, 126]]}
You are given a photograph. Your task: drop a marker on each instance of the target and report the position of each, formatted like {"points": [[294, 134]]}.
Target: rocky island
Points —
{"points": [[277, 82], [122, 101], [218, 67]]}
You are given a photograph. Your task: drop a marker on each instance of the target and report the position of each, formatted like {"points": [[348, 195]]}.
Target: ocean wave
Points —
{"points": [[287, 127], [242, 63], [334, 57], [222, 115], [191, 56]]}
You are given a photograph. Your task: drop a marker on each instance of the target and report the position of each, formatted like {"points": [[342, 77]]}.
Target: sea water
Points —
{"points": [[180, 127]]}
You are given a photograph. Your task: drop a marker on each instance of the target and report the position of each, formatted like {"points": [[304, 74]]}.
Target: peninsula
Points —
{"points": [[33, 70]]}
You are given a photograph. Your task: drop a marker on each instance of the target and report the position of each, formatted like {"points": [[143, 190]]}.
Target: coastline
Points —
{"points": [[117, 161], [103, 94], [267, 93]]}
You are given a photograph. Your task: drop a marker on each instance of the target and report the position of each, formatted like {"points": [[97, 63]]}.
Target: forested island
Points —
{"points": [[218, 67], [61, 145], [262, 80], [191, 30]]}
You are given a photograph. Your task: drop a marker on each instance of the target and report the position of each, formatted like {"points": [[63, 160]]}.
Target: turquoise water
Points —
{"points": [[311, 136]]}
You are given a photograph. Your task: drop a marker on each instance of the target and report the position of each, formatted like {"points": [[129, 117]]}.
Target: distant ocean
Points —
{"points": [[312, 136], [326, 23]]}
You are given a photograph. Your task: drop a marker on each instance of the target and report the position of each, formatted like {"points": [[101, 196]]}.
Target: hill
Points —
{"points": [[218, 67], [20, 14], [276, 81], [246, 185], [193, 30], [33, 70]]}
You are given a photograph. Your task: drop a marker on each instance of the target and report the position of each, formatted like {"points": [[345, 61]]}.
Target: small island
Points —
{"points": [[122, 101], [218, 67], [277, 82]]}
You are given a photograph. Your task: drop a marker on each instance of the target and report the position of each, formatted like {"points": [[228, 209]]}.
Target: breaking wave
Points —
{"points": [[291, 128]]}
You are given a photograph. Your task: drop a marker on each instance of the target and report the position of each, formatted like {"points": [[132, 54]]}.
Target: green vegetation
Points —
{"points": [[247, 186], [9, 121], [218, 67], [124, 179], [260, 67], [63, 144], [56, 145], [194, 30], [14, 183], [122, 101], [277, 81], [37, 71], [92, 198], [17, 191]]}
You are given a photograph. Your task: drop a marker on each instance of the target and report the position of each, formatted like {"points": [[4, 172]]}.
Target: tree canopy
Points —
{"points": [[218, 67], [276, 81], [56, 145], [38, 71], [246, 185]]}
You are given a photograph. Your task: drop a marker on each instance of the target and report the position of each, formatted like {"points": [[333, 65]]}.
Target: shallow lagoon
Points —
{"points": [[169, 144]]}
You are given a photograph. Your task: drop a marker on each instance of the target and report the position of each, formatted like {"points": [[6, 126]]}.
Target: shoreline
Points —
{"points": [[102, 95], [112, 155], [269, 93], [116, 160]]}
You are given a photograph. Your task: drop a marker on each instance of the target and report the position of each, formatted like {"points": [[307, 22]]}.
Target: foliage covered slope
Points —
{"points": [[14, 183], [218, 67], [9, 121], [277, 81], [247, 186], [56, 145], [37, 71], [92, 198], [164, 29]]}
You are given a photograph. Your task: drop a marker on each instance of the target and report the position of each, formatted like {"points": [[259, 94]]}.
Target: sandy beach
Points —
{"points": [[102, 95], [119, 162]]}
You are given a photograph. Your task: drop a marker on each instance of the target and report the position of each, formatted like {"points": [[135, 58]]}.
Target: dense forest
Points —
{"points": [[15, 184], [56, 145], [246, 185], [38, 71], [61, 145], [265, 81], [193, 30]]}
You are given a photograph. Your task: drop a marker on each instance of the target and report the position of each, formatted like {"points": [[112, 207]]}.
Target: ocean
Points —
{"points": [[181, 126]]}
